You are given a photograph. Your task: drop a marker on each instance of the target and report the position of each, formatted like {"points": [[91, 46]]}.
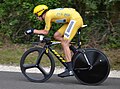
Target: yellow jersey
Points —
{"points": [[60, 15]]}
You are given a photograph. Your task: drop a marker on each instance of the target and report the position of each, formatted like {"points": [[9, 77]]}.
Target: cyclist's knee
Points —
{"points": [[65, 43]]}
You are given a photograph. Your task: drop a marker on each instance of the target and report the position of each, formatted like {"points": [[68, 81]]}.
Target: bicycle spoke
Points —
{"points": [[38, 59], [29, 66], [39, 67], [80, 69], [42, 70]]}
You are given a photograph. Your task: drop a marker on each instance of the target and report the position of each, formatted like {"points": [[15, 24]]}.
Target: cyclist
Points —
{"points": [[72, 22]]}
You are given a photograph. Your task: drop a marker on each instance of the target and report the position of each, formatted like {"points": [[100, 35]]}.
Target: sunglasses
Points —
{"points": [[36, 15], [38, 12]]}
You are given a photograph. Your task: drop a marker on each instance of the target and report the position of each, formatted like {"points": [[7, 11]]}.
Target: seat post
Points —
{"points": [[79, 38]]}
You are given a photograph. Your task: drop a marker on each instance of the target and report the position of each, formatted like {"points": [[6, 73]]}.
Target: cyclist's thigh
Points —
{"points": [[62, 29], [72, 28]]}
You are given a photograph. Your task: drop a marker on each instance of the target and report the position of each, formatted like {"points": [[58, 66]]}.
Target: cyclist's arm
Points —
{"points": [[48, 21], [45, 32], [47, 26]]}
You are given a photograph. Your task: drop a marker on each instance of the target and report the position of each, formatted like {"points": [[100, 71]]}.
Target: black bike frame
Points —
{"points": [[48, 48], [57, 55]]}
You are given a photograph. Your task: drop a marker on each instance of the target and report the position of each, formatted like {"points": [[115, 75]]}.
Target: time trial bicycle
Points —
{"points": [[90, 65]]}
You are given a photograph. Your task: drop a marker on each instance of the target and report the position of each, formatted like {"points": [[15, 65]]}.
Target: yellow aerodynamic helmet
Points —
{"points": [[39, 9]]}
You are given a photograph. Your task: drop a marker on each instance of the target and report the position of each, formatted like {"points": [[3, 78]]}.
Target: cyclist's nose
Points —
{"points": [[39, 18]]}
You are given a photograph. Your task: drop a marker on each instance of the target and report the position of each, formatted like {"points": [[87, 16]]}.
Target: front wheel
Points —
{"points": [[37, 65], [92, 74]]}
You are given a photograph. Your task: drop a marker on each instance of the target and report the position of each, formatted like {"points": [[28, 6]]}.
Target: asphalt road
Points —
{"points": [[15, 80]]}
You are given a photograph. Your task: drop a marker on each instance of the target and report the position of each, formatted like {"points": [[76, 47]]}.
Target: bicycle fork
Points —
{"points": [[87, 61], [86, 58]]}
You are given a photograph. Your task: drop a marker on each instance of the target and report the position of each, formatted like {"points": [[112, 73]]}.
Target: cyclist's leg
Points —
{"points": [[68, 33], [72, 28], [65, 43], [60, 33]]}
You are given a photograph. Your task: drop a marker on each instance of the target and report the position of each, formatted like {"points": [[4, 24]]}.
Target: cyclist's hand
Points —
{"points": [[29, 31]]}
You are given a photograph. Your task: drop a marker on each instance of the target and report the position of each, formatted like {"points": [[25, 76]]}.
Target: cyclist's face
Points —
{"points": [[40, 18]]}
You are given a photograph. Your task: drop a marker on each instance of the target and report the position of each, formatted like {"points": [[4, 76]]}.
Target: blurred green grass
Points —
{"points": [[11, 55]]}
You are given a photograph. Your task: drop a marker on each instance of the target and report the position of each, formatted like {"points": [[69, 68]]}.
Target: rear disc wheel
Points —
{"points": [[95, 74]]}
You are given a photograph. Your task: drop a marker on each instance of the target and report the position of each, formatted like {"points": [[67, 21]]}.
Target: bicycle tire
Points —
{"points": [[100, 67], [33, 68]]}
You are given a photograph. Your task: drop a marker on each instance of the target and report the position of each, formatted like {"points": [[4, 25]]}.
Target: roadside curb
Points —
{"points": [[7, 68]]}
